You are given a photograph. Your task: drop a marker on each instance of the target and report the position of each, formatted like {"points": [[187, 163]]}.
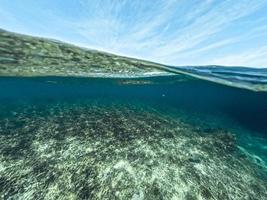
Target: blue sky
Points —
{"points": [[176, 32]]}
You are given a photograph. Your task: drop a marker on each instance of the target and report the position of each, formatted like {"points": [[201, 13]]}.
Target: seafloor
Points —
{"points": [[112, 148]]}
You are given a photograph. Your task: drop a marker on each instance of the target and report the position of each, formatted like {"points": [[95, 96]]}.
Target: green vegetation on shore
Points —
{"points": [[22, 55]]}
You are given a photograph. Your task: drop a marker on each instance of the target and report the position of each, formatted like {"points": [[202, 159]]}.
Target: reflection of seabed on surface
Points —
{"points": [[103, 150]]}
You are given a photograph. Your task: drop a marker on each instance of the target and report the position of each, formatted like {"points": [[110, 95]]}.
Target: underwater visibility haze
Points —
{"points": [[83, 124]]}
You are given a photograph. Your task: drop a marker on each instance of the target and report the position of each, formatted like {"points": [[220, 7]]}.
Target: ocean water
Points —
{"points": [[169, 137]]}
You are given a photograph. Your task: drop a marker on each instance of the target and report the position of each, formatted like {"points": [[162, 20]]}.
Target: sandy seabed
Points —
{"points": [[96, 150]]}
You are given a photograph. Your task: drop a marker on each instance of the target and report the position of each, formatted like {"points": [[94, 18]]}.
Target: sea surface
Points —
{"points": [[165, 137]]}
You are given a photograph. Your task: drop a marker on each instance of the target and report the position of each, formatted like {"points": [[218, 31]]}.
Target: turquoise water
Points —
{"points": [[149, 138]]}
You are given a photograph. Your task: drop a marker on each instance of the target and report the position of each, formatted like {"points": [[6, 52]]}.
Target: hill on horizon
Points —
{"points": [[23, 55]]}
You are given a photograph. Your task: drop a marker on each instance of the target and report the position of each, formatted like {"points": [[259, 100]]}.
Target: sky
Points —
{"points": [[174, 32]]}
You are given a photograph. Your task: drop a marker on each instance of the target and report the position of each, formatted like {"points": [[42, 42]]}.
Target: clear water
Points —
{"points": [[150, 138]]}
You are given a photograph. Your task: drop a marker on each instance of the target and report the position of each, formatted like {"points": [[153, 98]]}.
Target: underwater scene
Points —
{"points": [[159, 137], [133, 100]]}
